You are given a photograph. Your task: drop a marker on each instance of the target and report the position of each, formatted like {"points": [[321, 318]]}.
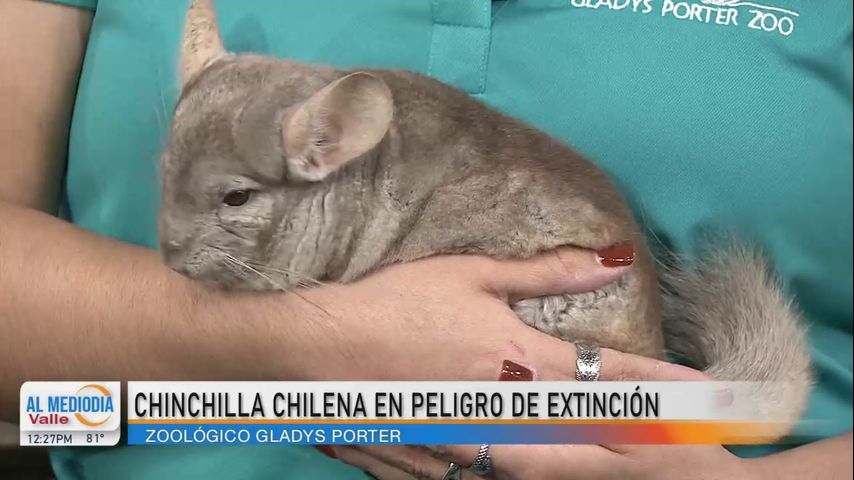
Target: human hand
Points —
{"points": [[562, 461], [558, 462], [446, 318]]}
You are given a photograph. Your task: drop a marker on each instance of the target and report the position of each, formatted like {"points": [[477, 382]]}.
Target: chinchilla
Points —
{"points": [[280, 174]]}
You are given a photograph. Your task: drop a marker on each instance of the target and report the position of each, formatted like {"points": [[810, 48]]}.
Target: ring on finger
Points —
{"points": [[482, 464], [588, 363]]}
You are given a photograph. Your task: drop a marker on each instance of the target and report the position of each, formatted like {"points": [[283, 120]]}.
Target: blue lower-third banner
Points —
{"points": [[437, 433]]}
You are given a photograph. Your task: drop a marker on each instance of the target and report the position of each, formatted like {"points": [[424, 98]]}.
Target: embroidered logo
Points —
{"points": [[733, 13]]}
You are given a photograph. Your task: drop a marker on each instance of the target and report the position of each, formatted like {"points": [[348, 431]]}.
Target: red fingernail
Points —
{"points": [[513, 372], [620, 255], [327, 450]]}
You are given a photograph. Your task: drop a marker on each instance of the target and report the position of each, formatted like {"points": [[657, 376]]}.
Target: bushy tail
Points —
{"points": [[727, 316]]}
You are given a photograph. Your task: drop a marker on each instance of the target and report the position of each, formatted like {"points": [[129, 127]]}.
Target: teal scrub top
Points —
{"points": [[709, 120]]}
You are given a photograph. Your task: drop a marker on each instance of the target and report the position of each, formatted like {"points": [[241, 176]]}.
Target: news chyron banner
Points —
{"points": [[430, 413], [70, 413]]}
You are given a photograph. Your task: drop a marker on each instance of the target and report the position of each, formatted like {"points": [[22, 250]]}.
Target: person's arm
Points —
{"points": [[76, 305]]}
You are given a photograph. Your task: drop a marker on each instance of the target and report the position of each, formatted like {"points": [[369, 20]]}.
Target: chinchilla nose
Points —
{"points": [[172, 246], [172, 252]]}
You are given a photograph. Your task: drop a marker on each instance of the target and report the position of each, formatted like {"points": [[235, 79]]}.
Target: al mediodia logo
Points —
{"points": [[91, 405]]}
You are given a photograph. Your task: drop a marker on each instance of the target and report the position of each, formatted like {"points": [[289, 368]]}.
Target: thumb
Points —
{"points": [[564, 270]]}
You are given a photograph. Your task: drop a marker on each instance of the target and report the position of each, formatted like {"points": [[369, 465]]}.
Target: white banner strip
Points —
{"points": [[441, 401]]}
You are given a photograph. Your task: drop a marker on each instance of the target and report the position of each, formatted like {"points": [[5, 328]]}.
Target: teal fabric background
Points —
{"points": [[708, 128]]}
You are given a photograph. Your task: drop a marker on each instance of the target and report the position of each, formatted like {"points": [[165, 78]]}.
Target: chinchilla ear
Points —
{"points": [[202, 43], [341, 122]]}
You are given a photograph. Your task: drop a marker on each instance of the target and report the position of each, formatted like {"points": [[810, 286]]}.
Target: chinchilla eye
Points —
{"points": [[236, 198]]}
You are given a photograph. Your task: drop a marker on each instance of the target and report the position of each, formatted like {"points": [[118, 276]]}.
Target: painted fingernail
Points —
{"points": [[513, 372], [327, 450], [621, 255]]}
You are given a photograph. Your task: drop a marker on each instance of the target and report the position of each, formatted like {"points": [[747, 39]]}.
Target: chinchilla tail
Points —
{"points": [[727, 316]]}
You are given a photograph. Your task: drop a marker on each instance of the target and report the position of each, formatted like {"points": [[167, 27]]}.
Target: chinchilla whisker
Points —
{"points": [[302, 279], [243, 264]]}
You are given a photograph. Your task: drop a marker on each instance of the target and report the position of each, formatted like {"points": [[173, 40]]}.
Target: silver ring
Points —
{"points": [[454, 472], [589, 362], [482, 464]]}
